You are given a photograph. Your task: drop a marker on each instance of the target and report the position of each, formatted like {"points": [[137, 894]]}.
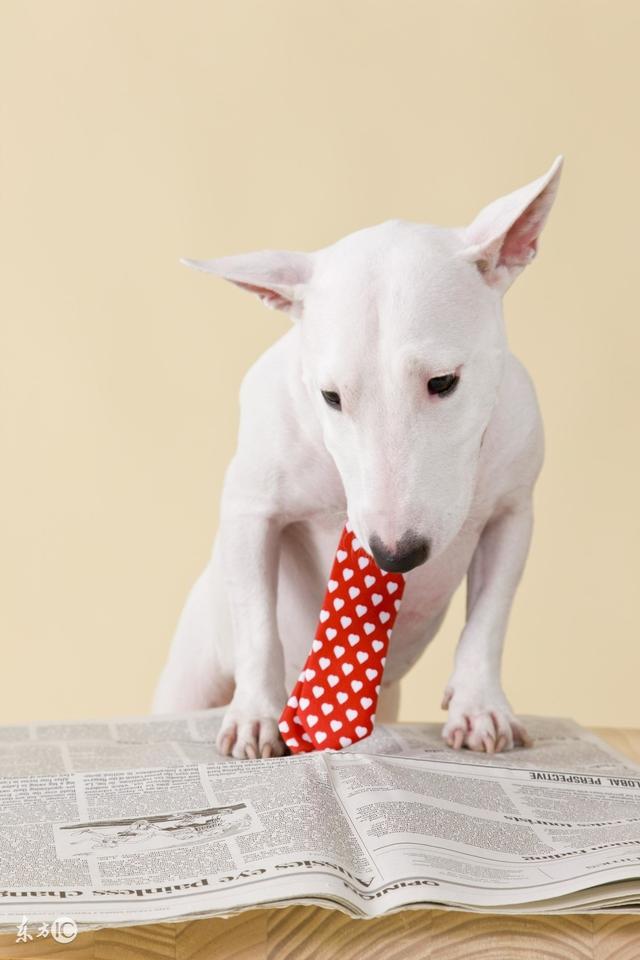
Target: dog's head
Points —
{"points": [[403, 352]]}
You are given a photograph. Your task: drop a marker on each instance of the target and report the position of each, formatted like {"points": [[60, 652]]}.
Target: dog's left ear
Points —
{"points": [[278, 277], [503, 238]]}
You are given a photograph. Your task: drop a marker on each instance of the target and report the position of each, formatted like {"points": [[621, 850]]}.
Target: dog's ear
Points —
{"points": [[278, 277], [503, 238]]}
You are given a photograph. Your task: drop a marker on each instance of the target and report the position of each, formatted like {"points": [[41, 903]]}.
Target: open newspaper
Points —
{"points": [[135, 821]]}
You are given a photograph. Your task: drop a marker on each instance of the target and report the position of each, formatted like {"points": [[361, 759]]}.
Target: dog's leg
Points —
{"points": [[479, 714], [194, 677], [250, 553], [389, 704]]}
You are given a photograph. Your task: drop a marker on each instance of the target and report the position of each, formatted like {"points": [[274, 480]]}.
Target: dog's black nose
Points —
{"points": [[411, 550]]}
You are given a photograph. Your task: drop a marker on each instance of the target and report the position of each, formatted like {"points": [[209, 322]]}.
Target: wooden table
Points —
{"points": [[311, 933]]}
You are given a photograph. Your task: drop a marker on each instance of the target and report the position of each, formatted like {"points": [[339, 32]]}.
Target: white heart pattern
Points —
{"points": [[344, 701]]}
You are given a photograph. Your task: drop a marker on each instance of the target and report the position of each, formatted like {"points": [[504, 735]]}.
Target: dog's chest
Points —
{"points": [[308, 553], [428, 590]]}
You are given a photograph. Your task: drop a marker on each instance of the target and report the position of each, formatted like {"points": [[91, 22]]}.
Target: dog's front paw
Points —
{"points": [[483, 723], [249, 735]]}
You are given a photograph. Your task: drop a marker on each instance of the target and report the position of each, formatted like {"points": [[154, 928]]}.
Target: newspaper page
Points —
{"points": [[181, 740], [138, 820], [489, 836]]}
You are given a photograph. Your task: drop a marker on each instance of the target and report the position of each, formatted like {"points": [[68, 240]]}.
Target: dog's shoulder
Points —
{"points": [[278, 429], [523, 409], [272, 370], [513, 450], [281, 466], [272, 392]]}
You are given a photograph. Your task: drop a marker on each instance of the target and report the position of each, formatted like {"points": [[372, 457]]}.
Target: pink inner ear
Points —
{"points": [[272, 298], [521, 241]]}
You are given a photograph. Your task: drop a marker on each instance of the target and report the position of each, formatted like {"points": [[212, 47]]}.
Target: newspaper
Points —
{"points": [[139, 820]]}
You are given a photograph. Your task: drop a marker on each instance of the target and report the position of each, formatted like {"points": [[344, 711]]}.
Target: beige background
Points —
{"points": [[133, 133]]}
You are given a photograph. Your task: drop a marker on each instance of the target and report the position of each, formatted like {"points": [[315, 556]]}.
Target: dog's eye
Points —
{"points": [[443, 385], [332, 399]]}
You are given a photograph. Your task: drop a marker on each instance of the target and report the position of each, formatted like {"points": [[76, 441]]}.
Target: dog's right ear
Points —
{"points": [[503, 238], [278, 277]]}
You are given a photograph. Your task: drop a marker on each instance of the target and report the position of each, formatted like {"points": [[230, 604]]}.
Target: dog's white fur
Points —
{"points": [[377, 315]]}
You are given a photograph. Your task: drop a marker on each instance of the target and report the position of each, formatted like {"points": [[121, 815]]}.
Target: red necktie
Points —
{"points": [[333, 704]]}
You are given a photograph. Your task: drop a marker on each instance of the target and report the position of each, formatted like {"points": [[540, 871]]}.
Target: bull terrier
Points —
{"points": [[393, 402]]}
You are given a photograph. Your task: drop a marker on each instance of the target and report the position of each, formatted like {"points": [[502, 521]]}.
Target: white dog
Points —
{"points": [[392, 401]]}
